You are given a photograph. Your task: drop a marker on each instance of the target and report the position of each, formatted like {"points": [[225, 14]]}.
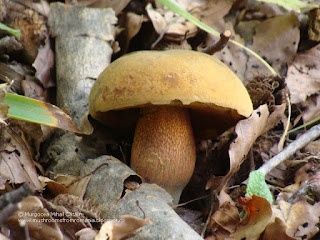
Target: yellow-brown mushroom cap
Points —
{"points": [[216, 97]]}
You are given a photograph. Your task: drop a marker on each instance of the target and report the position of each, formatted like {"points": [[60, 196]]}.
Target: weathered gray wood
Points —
{"points": [[82, 41]]}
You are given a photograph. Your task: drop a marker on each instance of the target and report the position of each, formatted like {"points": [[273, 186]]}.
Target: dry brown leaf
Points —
{"points": [[303, 78], [76, 185], [312, 108], [16, 163], [38, 221], [124, 227], [166, 21], [32, 26], [247, 131], [225, 219], [43, 64], [259, 214], [277, 40], [133, 25], [117, 6], [86, 234], [276, 230], [72, 220], [4, 108], [212, 11], [79, 187], [301, 218], [54, 187]]}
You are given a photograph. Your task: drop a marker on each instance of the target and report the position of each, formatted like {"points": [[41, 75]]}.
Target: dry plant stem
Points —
{"points": [[16, 195], [292, 148], [224, 38]]}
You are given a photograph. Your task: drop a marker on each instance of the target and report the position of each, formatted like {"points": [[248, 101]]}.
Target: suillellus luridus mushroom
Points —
{"points": [[169, 98]]}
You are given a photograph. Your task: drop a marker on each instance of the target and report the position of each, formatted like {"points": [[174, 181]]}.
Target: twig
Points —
{"points": [[16, 195], [8, 211], [218, 46], [293, 147], [212, 208]]}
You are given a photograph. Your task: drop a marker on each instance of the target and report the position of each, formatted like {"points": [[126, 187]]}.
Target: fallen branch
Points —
{"points": [[292, 148]]}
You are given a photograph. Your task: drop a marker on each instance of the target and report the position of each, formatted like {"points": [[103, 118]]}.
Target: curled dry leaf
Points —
{"points": [[123, 228], [247, 131], [303, 75], [16, 164]]}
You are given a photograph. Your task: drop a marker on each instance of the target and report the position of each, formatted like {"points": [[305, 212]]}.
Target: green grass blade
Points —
{"points": [[14, 32], [208, 29], [31, 110]]}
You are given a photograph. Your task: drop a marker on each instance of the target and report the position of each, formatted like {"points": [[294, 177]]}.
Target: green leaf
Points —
{"points": [[31, 110], [175, 8], [14, 32], [257, 185], [295, 5]]}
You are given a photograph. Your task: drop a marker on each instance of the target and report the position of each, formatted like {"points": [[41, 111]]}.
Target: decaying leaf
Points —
{"points": [[41, 225], [276, 40], [166, 21], [276, 230], [86, 234], [123, 228], [224, 220], [75, 185], [301, 218], [247, 131], [54, 187], [44, 63], [16, 163], [303, 75], [259, 213], [4, 108]]}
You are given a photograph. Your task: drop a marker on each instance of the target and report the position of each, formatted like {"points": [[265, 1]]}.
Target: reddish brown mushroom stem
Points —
{"points": [[163, 149]]}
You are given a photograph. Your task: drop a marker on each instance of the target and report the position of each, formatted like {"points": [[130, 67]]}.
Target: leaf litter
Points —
{"points": [[275, 36]]}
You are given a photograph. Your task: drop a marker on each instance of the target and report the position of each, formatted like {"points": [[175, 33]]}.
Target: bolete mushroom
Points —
{"points": [[170, 98]]}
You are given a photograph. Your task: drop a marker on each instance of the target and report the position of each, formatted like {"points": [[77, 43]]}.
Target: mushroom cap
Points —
{"points": [[216, 97]]}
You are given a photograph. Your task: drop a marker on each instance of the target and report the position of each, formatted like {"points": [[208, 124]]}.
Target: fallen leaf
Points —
{"points": [[54, 187], [86, 234], [174, 26], [276, 230], [259, 214], [247, 131], [225, 219], [303, 75], [276, 40], [35, 219], [301, 218], [44, 63], [16, 163], [123, 228]]}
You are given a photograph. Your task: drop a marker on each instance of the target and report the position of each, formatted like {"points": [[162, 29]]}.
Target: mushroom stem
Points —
{"points": [[163, 150]]}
